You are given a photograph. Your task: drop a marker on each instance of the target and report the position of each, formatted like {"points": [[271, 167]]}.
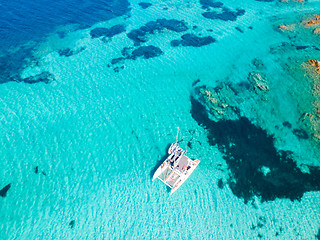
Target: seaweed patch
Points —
{"points": [[257, 168]]}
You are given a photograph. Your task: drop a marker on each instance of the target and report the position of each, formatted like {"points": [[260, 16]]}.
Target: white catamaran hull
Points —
{"points": [[160, 170], [195, 164], [176, 169]]}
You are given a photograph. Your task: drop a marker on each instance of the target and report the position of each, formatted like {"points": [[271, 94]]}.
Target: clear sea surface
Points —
{"points": [[92, 93]]}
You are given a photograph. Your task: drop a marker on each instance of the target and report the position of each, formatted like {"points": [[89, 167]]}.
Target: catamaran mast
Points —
{"points": [[177, 135]]}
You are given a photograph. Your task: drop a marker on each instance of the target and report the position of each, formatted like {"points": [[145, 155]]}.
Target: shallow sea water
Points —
{"points": [[83, 147]]}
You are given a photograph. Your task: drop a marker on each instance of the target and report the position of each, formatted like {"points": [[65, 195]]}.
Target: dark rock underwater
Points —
{"points": [[3, 191], [141, 34], [257, 168], [192, 41]]}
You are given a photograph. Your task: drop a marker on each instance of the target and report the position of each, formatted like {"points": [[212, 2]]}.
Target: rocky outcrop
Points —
{"points": [[288, 27], [316, 64], [312, 22], [316, 31], [219, 101], [258, 82], [311, 122]]}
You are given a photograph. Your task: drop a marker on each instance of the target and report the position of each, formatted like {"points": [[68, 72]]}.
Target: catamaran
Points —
{"points": [[177, 167]]}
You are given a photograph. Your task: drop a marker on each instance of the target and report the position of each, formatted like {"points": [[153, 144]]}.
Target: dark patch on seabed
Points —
{"points": [[145, 52], [225, 15], [72, 223], [192, 40], [141, 35], [318, 235], [264, 0], [239, 29], [195, 82], [67, 52], [3, 191], [107, 32], [11, 65], [257, 168], [207, 4], [300, 133], [287, 124], [144, 5], [217, 10], [220, 183], [45, 77]]}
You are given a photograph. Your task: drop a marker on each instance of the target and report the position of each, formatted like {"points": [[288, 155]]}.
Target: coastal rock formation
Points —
{"points": [[311, 122], [316, 31], [258, 81], [316, 64], [288, 27], [312, 22]]}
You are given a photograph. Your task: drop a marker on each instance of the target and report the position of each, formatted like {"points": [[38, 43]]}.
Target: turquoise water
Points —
{"points": [[82, 140]]}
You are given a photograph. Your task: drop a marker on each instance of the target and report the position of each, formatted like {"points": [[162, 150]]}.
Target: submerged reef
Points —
{"points": [[13, 63], [67, 52], [287, 27], [303, 70], [107, 32], [192, 41], [217, 10], [258, 82], [312, 21], [257, 168], [144, 5], [219, 100], [208, 4], [226, 15], [45, 77], [140, 35], [145, 52]]}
